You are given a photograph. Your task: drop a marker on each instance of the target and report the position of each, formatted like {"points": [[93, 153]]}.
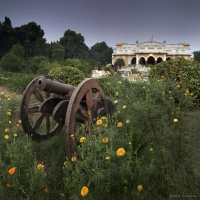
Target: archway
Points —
{"points": [[151, 60], [133, 61], [142, 61], [168, 58], [159, 60]]}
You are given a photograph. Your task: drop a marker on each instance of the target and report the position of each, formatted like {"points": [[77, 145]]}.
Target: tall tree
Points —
{"points": [[31, 37], [101, 52], [7, 36], [74, 44], [197, 55]]}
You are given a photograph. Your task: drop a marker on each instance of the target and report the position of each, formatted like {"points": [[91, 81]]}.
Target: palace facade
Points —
{"points": [[151, 52]]}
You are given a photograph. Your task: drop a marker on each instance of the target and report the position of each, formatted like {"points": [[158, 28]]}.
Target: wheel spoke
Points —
{"points": [[33, 109], [38, 95], [89, 100], [38, 121], [47, 125], [82, 112]]}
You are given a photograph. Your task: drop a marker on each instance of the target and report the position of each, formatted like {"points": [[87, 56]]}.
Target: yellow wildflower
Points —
{"points": [[116, 93], [82, 139], [139, 188], [9, 113], [130, 143], [175, 120], [151, 149], [128, 121], [73, 158], [103, 118], [120, 152], [99, 122], [15, 134], [19, 121], [105, 140], [107, 158], [124, 106], [6, 137], [119, 82], [116, 101], [7, 130], [119, 124], [10, 122], [84, 191], [8, 99]]}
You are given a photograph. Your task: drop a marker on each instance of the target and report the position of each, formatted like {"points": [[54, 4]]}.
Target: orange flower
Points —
{"points": [[46, 190], [12, 170], [8, 185], [121, 152], [40, 166], [84, 191]]}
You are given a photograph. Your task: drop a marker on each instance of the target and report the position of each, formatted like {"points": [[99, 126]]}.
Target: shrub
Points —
{"points": [[18, 50], [68, 75], [10, 62], [182, 71]]}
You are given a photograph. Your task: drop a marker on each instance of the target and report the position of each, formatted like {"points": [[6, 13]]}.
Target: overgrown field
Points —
{"points": [[148, 149]]}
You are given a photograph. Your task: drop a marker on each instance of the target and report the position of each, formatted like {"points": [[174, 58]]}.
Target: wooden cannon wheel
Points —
{"points": [[38, 125], [85, 104]]}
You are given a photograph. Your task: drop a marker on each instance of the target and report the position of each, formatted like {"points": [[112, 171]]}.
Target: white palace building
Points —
{"points": [[151, 52]]}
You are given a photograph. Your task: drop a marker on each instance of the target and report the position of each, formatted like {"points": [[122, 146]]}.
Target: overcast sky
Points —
{"points": [[112, 21]]}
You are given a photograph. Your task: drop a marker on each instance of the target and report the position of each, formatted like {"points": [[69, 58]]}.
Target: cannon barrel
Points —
{"points": [[56, 87]]}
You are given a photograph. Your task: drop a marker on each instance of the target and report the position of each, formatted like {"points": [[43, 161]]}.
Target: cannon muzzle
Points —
{"points": [[52, 86]]}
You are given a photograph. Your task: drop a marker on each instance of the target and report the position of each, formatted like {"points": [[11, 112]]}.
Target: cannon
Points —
{"points": [[48, 104]]}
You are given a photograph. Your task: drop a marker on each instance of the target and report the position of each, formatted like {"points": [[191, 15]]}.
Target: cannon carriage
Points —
{"points": [[47, 105]]}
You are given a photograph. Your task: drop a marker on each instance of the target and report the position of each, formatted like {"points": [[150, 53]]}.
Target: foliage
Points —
{"points": [[31, 37], [10, 62], [81, 64], [18, 50], [183, 71], [196, 56], [120, 62], [67, 74], [133, 152], [17, 82], [74, 44], [138, 152], [57, 55], [101, 53]]}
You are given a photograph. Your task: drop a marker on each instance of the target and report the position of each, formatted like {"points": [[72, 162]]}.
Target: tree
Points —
{"points": [[31, 37], [8, 36], [120, 62], [74, 44], [197, 55], [58, 55], [101, 53]]}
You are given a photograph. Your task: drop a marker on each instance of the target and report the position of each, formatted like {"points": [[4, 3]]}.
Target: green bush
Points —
{"points": [[18, 50], [182, 71], [68, 75], [10, 62]]}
